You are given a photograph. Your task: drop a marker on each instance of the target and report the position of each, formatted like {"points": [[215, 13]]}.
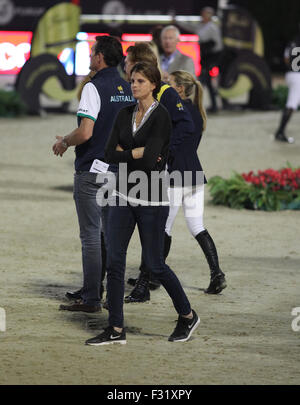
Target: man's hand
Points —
{"points": [[119, 148], [59, 147]]}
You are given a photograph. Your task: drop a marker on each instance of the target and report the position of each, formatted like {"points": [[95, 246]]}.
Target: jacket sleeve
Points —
{"points": [[182, 123], [111, 155]]}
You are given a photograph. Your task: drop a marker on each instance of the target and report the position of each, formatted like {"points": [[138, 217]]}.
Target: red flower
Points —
{"points": [[286, 178]]}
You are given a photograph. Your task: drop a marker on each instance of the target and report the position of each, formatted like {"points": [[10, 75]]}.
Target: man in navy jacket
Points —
{"points": [[101, 100]]}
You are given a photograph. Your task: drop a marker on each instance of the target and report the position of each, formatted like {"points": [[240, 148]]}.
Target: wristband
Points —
{"points": [[64, 143]]}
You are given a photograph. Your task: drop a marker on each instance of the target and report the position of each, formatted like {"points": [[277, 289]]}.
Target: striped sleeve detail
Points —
{"points": [[161, 91]]}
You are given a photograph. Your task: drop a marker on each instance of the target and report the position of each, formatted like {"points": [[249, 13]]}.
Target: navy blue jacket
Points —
{"points": [[182, 122], [185, 158], [115, 93]]}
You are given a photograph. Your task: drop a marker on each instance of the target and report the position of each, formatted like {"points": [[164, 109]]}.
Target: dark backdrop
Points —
{"points": [[278, 19]]}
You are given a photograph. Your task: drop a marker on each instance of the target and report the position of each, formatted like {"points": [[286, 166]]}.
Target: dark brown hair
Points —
{"points": [[110, 48]]}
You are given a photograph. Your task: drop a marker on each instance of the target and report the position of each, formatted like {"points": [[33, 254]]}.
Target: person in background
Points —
{"points": [[211, 47], [101, 99], [140, 137], [156, 37], [172, 59], [292, 78], [191, 194]]}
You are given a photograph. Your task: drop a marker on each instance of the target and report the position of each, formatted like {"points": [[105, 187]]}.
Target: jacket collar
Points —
{"points": [[106, 71]]}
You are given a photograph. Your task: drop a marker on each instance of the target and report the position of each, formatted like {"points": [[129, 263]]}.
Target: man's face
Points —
{"points": [[169, 41], [206, 15], [128, 66], [94, 59]]}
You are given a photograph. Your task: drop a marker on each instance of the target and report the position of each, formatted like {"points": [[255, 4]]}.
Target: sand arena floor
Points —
{"points": [[245, 335]]}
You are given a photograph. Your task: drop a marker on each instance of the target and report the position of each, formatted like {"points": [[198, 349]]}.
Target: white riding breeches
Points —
{"points": [[293, 82], [192, 200]]}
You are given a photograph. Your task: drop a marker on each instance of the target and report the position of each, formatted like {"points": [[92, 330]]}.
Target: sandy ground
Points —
{"points": [[245, 335]]}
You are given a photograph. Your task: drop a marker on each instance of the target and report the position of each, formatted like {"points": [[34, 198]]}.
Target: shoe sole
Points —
{"points": [[64, 308], [190, 334], [121, 342], [129, 301]]}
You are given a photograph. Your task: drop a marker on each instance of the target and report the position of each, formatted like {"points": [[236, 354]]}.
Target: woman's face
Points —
{"points": [[179, 89], [141, 87]]}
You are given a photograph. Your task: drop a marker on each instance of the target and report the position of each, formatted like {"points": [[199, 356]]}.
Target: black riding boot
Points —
{"points": [[141, 291], [217, 277], [280, 135], [146, 281]]}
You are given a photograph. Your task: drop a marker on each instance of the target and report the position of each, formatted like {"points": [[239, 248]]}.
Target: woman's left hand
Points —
{"points": [[138, 153]]}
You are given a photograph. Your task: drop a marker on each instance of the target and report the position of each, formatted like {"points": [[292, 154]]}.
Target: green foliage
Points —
{"points": [[11, 104], [237, 193], [279, 96]]}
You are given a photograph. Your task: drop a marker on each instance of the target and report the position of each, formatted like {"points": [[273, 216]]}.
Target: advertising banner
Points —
{"points": [[15, 50]]}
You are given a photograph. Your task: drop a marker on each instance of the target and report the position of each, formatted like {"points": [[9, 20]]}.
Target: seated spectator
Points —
{"points": [[172, 59]]}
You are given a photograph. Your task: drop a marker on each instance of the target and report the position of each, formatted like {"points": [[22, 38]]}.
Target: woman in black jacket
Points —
{"points": [[191, 195], [139, 143]]}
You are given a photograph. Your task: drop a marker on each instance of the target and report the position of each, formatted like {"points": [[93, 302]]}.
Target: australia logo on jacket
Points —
{"points": [[120, 88], [179, 106], [121, 99]]}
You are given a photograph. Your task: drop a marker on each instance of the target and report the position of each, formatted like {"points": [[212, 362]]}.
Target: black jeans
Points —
{"points": [[151, 221]]}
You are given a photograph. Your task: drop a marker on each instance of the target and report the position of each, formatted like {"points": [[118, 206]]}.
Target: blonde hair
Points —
{"points": [[192, 89], [84, 81]]}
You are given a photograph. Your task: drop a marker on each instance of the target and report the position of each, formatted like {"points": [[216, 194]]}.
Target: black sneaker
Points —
{"points": [[109, 336], [216, 285], [184, 328], [281, 137]]}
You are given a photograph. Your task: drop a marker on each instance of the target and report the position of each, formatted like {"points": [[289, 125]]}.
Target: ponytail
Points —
{"points": [[198, 101], [192, 89]]}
